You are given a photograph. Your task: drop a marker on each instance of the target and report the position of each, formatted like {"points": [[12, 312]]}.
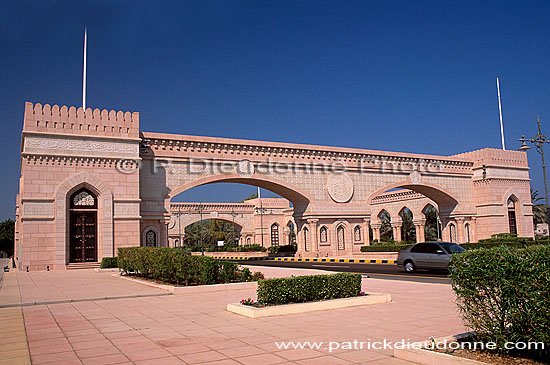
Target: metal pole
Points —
{"points": [[84, 69], [179, 224], [262, 221], [500, 113], [233, 218], [200, 212], [545, 178]]}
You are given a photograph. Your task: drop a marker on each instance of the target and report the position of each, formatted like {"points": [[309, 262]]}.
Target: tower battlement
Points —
{"points": [[72, 120]]}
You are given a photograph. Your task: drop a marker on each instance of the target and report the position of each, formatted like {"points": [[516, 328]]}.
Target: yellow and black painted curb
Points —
{"points": [[353, 261]]}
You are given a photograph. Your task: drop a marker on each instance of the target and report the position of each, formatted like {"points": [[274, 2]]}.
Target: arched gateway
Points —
{"points": [[336, 193]]}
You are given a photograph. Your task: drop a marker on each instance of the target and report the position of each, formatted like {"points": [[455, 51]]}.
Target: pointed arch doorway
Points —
{"points": [[83, 227]]}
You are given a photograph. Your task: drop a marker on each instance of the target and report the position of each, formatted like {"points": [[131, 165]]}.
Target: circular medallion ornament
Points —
{"points": [[214, 214], [415, 177], [245, 168], [340, 187]]}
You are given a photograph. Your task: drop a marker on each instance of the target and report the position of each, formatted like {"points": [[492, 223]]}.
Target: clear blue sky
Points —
{"points": [[414, 76]]}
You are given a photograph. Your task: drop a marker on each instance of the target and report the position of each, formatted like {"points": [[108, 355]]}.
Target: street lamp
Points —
{"points": [[199, 210], [539, 140], [261, 210]]}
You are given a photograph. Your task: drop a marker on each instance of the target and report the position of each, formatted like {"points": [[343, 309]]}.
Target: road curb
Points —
{"points": [[353, 261]]}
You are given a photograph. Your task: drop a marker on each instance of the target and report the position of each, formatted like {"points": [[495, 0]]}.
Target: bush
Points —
{"points": [[109, 263], [228, 248], [378, 248], [504, 293], [297, 289], [284, 249], [176, 266]]}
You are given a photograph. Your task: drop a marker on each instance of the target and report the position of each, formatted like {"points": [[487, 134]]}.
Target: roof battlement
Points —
{"points": [[70, 120]]}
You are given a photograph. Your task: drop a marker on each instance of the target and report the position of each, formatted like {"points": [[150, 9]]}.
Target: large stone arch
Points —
{"points": [[446, 201], [104, 216], [299, 198]]}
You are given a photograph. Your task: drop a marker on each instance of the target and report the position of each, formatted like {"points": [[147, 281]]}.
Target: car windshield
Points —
{"points": [[452, 247]]}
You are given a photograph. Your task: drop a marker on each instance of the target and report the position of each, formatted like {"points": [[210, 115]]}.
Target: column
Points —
{"points": [[419, 226], [314, 242], [366, 235], [396, 227], [376, 231], [460, 230], [300, 239]]}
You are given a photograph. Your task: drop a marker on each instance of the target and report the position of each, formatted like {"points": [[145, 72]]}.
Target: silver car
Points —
{"points": [[428, 255]]}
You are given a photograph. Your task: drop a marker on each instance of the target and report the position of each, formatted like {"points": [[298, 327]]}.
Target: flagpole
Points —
{"points": [[500, 113], [84, 70]]}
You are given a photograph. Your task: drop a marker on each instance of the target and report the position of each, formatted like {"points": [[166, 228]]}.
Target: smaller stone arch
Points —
{"points": [[150, 237], [357, 233], [323, 234], [274, 230], [340, 237], [104, 195], [453, 233]]}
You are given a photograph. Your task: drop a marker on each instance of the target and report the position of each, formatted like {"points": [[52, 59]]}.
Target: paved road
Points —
{"points": [[378, 271]]}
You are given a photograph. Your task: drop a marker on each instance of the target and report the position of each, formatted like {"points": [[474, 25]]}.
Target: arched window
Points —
{"points": [[467, 229], [323, 234], [340, 233], [452, 231], [306, 239], [248, 241], [83, 199], [176, 243], [151, 238], [357, 234], [274, 234], [512, 216]]}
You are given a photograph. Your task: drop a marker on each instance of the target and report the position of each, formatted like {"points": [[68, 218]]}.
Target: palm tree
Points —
{"points": [[539, 209]]}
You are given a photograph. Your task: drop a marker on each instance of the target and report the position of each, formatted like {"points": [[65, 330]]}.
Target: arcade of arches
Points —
{"points": [[92, 182]]}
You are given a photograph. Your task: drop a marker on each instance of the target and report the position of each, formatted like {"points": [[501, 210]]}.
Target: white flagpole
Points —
{"points": [[500, 112], [84, 71]]}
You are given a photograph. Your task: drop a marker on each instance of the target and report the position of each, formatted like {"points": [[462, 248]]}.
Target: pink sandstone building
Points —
{"points": [[92, 182]]}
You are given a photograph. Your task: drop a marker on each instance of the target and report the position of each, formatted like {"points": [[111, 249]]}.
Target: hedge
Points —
{"points": [[298, 289], [228, 248], [292, 248], [392, 248], [176, 266], [504, 293], [486, 243], [109, 263]]}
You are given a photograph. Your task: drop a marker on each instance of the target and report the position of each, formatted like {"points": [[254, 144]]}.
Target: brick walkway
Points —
{"points": [[195, 328]]}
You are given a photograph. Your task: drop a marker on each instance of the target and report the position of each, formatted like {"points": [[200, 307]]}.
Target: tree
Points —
{"points": [[251, 196], [7, 236], [431, 226], [539, 209], [408, 231], [386, 231], [213, 230]]}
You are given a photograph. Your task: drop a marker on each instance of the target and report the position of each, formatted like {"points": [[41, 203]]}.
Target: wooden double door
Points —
{"points": [[83, 236]]}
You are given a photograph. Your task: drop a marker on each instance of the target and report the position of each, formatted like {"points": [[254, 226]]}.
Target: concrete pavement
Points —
{"points": [[196, 328]]}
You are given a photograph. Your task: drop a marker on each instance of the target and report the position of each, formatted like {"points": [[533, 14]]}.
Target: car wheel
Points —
{"points": [[409, 266]]}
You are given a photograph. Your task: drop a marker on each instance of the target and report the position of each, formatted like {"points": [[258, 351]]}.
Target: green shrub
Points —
{"points": [[176, 266], [109, 263], [504, 293], [297, 289], [283, 249], [228, 248], [378, 248]]}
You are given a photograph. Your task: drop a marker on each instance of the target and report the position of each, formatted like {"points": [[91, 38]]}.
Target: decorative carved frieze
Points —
{"points": [[37, 209], [79, 147], [126, 209]]}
